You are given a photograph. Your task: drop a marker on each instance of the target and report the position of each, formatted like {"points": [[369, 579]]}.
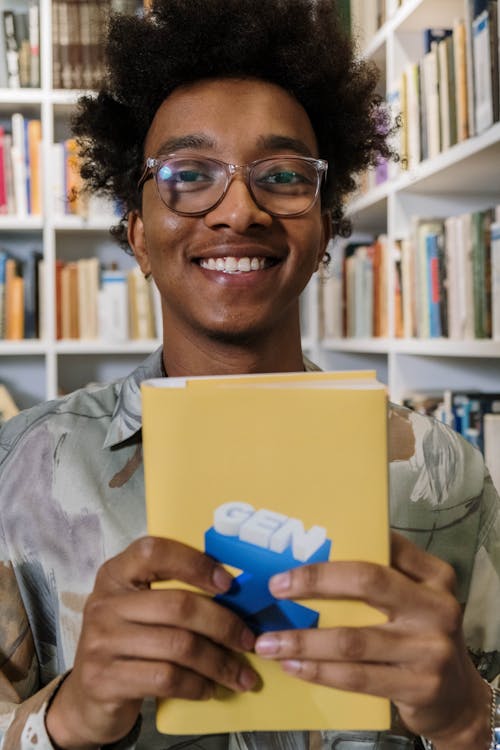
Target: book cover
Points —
{"points": [[292, 445]]}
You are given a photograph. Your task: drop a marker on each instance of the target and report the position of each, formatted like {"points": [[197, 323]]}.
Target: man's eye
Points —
{"points": [[167, 174], [284, 178]]}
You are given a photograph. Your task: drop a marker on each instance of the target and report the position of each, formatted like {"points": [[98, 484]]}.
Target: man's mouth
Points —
{"points": [[231, 264]]}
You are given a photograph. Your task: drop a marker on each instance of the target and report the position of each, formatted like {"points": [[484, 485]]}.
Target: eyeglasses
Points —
{"points": [[194, 185]]}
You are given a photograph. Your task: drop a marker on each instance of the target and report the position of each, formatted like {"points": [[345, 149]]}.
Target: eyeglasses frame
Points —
{"points": [[153, 165]]}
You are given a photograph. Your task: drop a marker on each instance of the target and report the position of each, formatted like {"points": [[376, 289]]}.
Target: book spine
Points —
{"points": [[479, 274], [64, 41], [74, 45], [470, 12], [113, 306], [18, 152], [431, 244], [460, 58], [23, 42], [56, 46], [34, 167], [31, 307], [14, 302], [34, 41], [11, 50], [482, 72]]}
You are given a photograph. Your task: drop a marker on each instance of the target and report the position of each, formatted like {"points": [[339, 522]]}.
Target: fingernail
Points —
{"points": [[247, 640], [292, 665], [281, 582], [247, 679], [221, 579], [267, 645]]}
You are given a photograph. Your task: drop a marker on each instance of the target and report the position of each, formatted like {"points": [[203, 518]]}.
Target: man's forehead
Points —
{"points": [[209, 113]]}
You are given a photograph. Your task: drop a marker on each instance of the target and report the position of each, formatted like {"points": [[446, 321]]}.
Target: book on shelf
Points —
{"points": [[447, 96], [299, 503], [19, 295], [465, 411], [20, 166], [486, 82], [113, 307], [94, 302], [78, 37], [445, 282], [481, 270], [20, 47]]}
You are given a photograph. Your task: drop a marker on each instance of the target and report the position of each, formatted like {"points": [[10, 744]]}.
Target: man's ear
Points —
{"points": [[326, 236], [137, 241]]}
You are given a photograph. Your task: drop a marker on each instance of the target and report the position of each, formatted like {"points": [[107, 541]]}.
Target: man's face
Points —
{"points": [[236, 121]]}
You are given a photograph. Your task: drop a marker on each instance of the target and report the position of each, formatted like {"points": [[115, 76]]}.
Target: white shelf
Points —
{"points": [[143, 346], [439, 347]]}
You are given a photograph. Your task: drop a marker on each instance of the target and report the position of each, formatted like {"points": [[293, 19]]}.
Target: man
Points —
{"points": [[213, 130]]}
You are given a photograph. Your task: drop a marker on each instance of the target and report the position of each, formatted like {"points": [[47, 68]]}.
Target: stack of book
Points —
{"points": [[20, 166], [20, 47], [446, 282], [106, 304], [452, 92], [20, 299], [78, 28]]}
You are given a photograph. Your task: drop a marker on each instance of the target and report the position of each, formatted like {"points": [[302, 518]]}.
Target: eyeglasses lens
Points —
{"points": [[283, 185]]}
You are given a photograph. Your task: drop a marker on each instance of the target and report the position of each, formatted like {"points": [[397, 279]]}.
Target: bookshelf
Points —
{"points": [[463, 178], [38, 369]]}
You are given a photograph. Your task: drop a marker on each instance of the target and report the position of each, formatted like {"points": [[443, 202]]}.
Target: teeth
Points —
{"points": [[234, 265]]}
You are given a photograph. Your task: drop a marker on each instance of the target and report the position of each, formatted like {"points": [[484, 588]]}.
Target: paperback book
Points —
{"points": [[264, 473]]}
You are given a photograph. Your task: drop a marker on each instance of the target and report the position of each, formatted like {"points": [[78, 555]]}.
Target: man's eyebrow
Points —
{"points": [[284, 143], [190, 140]]}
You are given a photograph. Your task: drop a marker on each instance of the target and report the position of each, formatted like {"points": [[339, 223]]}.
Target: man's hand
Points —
{"points": [[417, 659], [137, 642]]}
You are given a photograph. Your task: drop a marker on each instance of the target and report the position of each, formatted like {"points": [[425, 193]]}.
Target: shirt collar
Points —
{"points": [[127, 415]]}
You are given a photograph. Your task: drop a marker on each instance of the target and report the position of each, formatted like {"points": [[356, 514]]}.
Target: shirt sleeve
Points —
{"points": [[22, 704]]}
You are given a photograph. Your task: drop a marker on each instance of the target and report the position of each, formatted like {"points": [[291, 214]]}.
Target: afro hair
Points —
{"points": [[299, 45]]}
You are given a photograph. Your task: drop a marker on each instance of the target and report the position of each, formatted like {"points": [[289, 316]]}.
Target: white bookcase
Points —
{"points": [[38, 369], [464, 178]]}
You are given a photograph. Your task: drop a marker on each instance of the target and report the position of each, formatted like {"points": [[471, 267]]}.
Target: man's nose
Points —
{"points": [[237, 209]]}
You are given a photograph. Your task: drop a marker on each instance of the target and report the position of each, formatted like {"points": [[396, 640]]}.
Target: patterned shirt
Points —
{"points": [[72, 496]]}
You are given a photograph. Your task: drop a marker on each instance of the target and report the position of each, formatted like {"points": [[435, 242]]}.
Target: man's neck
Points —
{"points": [[184, 357]]}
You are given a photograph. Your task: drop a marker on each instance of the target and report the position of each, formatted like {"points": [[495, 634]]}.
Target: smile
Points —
{"points": [[237, 265]]}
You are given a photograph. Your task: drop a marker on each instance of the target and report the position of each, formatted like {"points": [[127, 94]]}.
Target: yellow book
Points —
{"points": [[308, 450]]}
